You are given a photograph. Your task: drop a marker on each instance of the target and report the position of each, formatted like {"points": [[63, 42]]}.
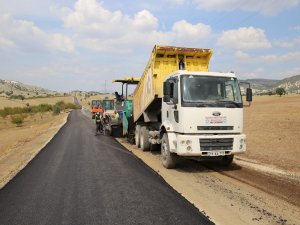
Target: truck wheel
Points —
{"points": [[226, 160], [169, 159], [144, 139], [137, 135]]}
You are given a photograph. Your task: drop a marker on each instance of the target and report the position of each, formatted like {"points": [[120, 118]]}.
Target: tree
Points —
{"points": [[280, 91]]}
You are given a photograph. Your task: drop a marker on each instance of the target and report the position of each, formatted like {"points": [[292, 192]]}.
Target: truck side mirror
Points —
{"points": [[249, 95]]}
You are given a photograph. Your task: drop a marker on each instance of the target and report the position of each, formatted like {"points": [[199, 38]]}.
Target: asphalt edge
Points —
{"points": [[163, 178], [13, 173]]}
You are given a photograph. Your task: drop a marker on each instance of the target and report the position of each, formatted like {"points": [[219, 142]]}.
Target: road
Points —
{"points": [[80, 178]]}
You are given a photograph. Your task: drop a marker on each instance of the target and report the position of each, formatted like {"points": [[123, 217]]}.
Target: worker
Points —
{"points": [[116, 117], [100, 110], [99, 123], [119, 97]]}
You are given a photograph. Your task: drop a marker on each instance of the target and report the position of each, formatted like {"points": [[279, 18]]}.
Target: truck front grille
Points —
{"points": [[209, 144], [215, 127]]}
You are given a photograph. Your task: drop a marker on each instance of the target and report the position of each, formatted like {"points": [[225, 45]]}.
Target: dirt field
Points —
{"points": [[19, 145], [272, 126], [5, 102]]}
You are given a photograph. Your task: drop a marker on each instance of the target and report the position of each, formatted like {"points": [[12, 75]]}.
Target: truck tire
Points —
{"points": [[144, 139], [169, 159], [137, 136], [226, 160]]}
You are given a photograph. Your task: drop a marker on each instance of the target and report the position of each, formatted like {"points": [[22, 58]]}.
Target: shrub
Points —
{"points": [[73, 106], [21, 97], [3, 113], [45, 107], [56, 109], [28, 109], [61, 104], [40, 108], [17, 119]]}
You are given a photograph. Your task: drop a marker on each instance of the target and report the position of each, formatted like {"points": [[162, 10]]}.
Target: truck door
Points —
{"points": [[174, 106]]}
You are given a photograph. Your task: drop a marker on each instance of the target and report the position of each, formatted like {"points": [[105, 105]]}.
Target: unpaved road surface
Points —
{"points": [[240, 194], [79, 178]]}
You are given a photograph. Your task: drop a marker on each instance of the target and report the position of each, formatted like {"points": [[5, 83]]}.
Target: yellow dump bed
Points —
{"points": [[163, 61]]}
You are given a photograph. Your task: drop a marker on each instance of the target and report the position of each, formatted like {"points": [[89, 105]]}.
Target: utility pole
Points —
{"points": [[105, 86]]}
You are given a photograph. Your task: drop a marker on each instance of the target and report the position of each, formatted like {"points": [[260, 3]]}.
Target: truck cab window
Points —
{"points": [[174, 92], [197, 90], [229, 93]]}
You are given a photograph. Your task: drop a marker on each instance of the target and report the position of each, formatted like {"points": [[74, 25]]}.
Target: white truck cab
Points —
{"points": [[202, 116]]}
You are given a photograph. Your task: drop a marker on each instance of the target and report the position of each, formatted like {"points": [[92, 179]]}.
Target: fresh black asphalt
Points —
{"points": [[80, 178]]}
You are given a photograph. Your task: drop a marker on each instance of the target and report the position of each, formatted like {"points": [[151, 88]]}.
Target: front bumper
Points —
{"points": [[207, 145]]}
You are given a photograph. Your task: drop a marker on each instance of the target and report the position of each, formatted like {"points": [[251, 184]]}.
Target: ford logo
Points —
{"points": [[216, 113]]}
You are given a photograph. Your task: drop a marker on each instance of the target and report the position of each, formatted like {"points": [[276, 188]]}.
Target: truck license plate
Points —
{"points": [[216, 153], [215, 120]]}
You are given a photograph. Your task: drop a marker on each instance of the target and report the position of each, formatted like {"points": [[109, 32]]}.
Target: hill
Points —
{"points": [[259, 86], [8, 88]]}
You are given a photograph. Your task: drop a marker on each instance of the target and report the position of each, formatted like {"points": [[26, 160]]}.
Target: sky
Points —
{"points": [[67, 45]]}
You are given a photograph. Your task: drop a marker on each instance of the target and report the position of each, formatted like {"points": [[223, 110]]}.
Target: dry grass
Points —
{"points": [[33, 124], [5, 102], [272, 126]]}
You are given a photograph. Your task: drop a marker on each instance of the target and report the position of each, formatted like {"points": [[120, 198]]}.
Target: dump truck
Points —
{"points": [[187, 111]]}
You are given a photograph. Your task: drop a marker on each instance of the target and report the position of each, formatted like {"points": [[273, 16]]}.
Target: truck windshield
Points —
{"points": [[207, 91]]}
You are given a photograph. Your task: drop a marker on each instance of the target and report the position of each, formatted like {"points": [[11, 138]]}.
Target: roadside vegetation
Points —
{"points": [[18, 114]]}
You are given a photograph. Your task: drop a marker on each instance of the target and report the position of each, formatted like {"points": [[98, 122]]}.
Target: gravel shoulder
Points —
{"points": [[222, 197]]}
